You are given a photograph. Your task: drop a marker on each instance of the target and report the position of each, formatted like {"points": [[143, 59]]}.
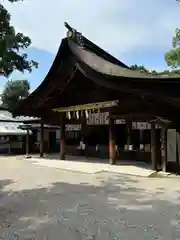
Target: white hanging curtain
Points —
{"points": [[87, 114], [69, 115]]}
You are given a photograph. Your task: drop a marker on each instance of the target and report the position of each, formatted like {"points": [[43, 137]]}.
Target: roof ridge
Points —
{"points": [[73, 34]]}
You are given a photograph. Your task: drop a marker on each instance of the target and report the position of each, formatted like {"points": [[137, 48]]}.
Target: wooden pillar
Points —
{"points": [[141, 133], [164, 148], [27, 143], [42, 139], [153, 147], [84, 132], [9, 145], [129, 133], [62, 139], [112, 142]]}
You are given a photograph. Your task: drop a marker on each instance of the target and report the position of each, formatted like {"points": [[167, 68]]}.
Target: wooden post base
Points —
{"points": [[62, 156], [112, 161]]}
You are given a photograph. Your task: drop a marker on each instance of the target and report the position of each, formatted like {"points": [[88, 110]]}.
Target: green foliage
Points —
{"points": [[174, 72], [172, 57], [12, 46], [14, 91], [140, 68], [154, 73]]}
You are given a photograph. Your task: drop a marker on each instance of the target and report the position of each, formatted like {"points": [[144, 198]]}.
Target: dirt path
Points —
{"points": [[45, 203]]}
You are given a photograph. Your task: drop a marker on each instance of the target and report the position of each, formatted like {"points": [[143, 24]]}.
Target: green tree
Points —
{"points": [[139, 68], [12, 46], [13, 92], [154, 73], [173, 72], [172, 57]]}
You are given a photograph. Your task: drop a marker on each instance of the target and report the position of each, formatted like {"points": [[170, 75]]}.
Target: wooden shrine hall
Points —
{"points": [[84, 78]]}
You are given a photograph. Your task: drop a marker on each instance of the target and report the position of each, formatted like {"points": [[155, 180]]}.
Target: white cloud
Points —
{"points": [[116, 25]]}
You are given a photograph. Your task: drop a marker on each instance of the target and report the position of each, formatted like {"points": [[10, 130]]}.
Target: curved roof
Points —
{"points": [[84, 73]]}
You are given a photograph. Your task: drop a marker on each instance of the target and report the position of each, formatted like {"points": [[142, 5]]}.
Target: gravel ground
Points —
{"points": [[45, 203]]}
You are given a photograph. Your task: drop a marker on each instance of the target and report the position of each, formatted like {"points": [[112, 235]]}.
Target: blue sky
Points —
{"points": [[135, 31]]}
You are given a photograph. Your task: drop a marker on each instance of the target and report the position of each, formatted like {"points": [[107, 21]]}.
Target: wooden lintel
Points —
{"points": [[132, 117], [89, 106]]}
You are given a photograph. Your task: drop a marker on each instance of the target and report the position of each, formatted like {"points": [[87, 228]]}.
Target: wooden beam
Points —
{"points": [[89, 106], [137, 117]]}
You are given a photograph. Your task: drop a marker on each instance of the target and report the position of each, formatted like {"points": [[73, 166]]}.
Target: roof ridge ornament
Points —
{"points": [[74, 35]]}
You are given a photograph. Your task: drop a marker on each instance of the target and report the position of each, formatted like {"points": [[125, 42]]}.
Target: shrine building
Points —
{"points": [[114, 111]]}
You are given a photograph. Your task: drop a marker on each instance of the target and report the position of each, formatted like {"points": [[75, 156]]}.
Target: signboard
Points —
{"points": [[171, 145], [141, 125], [102, 118], [120, 121], [73, 127], [98, 118]]}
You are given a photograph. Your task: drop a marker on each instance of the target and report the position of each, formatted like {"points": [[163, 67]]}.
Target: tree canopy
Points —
{"points": [[141, 68], [172, 57], [13, 92], [12, 46]]}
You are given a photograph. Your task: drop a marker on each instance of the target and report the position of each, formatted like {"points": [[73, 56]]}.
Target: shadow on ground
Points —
{"points": [[115, 209]]}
